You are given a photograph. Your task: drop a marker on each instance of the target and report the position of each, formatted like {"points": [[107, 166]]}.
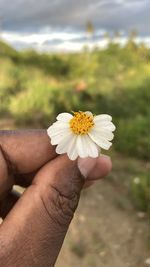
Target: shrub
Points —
{"points": [[34, 88], [140, 190], [132, 137]]}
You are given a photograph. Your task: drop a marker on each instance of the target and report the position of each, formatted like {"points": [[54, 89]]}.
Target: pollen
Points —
{"points": [[81, 123]]}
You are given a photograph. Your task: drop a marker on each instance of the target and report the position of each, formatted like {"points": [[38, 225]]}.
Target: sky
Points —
{"points": [[60, 25]]}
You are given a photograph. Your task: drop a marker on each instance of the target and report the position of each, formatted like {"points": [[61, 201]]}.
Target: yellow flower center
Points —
{"points": [[81, 123]]}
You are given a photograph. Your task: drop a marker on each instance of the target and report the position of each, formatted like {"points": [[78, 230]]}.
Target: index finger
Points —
{"points": [[27, 150]]}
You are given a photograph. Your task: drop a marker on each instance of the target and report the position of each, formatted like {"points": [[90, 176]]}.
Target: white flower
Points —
{"points": [[81, 134]]}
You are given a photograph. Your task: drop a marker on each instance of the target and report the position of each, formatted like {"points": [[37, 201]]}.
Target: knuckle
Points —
{"points": [[59, 207], [67, 205]]}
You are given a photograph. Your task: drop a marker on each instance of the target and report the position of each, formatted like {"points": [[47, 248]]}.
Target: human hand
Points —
{"points": [[35, 224]]}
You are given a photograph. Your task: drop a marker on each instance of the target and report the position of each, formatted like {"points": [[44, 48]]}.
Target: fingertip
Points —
{"points": [[102, 168], [86, 165], [106, 162]]}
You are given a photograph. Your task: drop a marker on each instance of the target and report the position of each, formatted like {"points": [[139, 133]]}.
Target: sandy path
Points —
{"points": [[107, 231]]}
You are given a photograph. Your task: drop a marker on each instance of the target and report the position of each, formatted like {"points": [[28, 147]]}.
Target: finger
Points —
{"points": [[88, 184], [22, 152], [10, 200], [41, 217], [100, 167], [27, 150], [95, 169]]}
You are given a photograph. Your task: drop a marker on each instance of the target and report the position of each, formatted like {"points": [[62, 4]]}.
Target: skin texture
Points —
{"points": [[38, 220]]}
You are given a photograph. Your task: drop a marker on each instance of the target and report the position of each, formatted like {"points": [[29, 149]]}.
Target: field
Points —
{"points": [[34, 88]]}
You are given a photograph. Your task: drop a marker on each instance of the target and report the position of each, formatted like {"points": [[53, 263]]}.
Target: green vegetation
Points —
{"points": [[140, 189], [34, 88]]}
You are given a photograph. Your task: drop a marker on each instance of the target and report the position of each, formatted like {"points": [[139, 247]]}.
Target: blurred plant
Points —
{"points": [[90, 28], [133, 138], [117, 34], [140, 190], [34, 88], [131, 44]]}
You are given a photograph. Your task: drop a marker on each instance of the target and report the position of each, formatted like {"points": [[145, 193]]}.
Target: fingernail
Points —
{"points": [[105, 156], [86, 165]]}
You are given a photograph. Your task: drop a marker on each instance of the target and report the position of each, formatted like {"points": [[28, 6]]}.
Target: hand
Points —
{"points": [[35, 224]]}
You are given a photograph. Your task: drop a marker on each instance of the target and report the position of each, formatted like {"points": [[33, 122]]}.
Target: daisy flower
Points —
{"points": [[81, 134]]}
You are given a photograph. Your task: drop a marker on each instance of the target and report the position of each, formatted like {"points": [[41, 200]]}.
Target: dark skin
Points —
{"points": [[36, 223]]}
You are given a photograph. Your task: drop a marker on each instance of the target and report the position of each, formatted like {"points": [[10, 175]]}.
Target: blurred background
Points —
{"points": [[64, 55]]}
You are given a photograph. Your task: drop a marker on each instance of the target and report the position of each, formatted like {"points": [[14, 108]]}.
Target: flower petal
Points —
{"points": [[65, 117], [108, 125], [63, 146], [92, 148], [56, 139], [81, 147], [99, 140], [57, 128], [72, 149], [105, 133], [89, 113], [86, 147], [102, 117], [55, 132]]}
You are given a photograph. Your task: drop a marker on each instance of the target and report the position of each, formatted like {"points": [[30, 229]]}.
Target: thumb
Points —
{"points": [[60, 179], [35, 228]]}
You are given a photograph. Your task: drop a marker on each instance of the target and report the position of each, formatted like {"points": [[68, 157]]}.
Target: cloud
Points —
{"points": [[57, 24], [63, 41], [30, 15]]}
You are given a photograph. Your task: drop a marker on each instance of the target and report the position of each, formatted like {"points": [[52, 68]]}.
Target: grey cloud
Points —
{"points": [[53, 42], [30, 15]]}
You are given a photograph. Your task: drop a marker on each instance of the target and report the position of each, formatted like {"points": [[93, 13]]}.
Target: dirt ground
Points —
{"points": [[107, 230]]}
